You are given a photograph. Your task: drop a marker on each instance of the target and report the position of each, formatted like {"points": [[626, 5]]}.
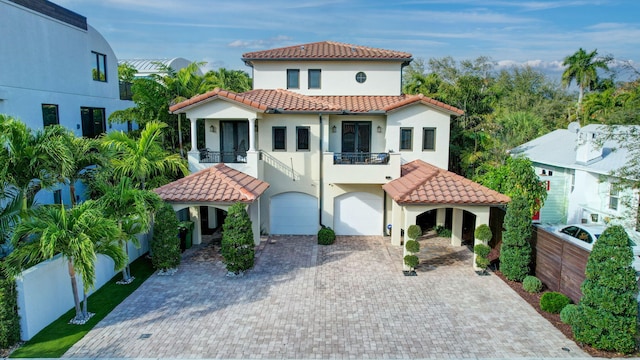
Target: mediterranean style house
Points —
{"points": [[326, 138], [56, 69], [577, 165]]}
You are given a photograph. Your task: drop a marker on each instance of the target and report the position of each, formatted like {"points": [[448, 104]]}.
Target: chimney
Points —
{"points": [[588, 148]]}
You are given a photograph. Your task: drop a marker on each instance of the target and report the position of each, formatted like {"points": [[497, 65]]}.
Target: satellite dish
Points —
{"points": [[574, 127]]}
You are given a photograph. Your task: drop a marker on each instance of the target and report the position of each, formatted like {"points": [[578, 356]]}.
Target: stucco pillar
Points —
{"points": [[456, 228], [253, 210], [194, 135], [396, 223], [441, 216], [194, 215], [252, 134]]}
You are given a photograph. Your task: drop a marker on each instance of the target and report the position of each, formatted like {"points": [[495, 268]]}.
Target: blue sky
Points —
{"points": [[537, 32]]}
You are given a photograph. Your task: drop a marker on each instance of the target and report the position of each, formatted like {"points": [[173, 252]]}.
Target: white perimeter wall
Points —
{"points": [[44, 291]]}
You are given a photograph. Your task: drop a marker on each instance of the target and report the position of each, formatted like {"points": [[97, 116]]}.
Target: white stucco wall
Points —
{"points": [[337, 77]]}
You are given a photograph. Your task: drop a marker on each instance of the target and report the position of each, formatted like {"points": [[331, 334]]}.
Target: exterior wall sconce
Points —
{"points": [[334, 129], [212, 128], [379, 129], [594, 217]]}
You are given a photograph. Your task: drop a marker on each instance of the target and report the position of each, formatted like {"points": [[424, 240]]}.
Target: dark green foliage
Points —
{"points": [[414, 232], [442, 231], [532, 284], [165, 246], [412, 246], [483, 233], [553, 302], [515, 253], [608, 310], [568, 314], [9, 319], [411, 261], [237, 240], [482, 251], [326, 236]]}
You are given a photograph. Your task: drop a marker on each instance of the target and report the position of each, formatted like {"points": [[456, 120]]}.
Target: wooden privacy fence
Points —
{"points": [[559, 264]]}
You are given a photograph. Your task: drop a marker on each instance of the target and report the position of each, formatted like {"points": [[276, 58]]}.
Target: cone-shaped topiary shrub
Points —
{"points": [[553, 302], [165, 246], [326, 236], [532, 284], [515, 253], [237, 246], [608, 310]]}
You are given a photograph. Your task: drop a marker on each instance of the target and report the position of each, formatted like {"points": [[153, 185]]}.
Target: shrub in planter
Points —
{"points": [[237, 246], [515, 253], [412, 246], [165, 246], [568, 314], [608, 311], [411, 261], [532, 284], [414, 232], [483, 233], [553, 302], [326, 236]]}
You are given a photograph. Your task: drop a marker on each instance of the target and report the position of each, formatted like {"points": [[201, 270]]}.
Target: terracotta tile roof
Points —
{"points": [[326, 50], [284, 100], [422, 183], [219, 183]]}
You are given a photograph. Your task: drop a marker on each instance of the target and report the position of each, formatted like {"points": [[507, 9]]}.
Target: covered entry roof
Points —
{"points": [[219, 183], [422, 183]]}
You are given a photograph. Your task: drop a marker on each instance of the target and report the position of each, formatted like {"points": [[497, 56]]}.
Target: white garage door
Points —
{"points": [[358, 213], [294, 213]]}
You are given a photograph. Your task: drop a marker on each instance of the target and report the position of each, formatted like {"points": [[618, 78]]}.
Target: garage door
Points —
{"points": [[294, 213], [358, 213]]}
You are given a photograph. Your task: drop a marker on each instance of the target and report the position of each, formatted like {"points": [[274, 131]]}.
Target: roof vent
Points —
{"points": [[302, 47], [353, 49]]}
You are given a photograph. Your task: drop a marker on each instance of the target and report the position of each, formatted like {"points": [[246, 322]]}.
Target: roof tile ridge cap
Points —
{"points": [[248, 195]]}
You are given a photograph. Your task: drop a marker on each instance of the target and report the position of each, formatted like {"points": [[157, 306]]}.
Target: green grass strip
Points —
{"points": [[59, 336]]}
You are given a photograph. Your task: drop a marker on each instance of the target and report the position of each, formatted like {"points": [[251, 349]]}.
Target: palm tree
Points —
{"points": [[10, 211], [30, 161], [144, 157], [232, 80], [84, 153], [582, 67], [79, 234], [132, 209]]}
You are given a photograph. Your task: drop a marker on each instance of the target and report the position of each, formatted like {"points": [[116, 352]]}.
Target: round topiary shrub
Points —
{"points": [[237, 248], [414, 232], [412, 246], [532, 284], [482, 251], [326, 236], [568, 314], [553, 302], [411, 261], [483, 233]]}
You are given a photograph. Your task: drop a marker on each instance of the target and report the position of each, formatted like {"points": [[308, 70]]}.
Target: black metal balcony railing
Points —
{"points": [[214, 157], [361, 158]]}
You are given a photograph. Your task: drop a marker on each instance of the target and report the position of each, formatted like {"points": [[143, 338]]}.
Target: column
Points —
{"points": [[441, 216], [396, 223], [252, 134], [194, 135], [456, 228], [194, 215]]}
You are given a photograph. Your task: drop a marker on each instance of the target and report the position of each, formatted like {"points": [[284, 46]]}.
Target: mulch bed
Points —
{"points": [[554, 319]]}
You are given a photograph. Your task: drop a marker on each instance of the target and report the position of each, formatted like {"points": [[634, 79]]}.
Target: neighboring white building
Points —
{"points": [[339, 145], [56, 69], [577, 164]]}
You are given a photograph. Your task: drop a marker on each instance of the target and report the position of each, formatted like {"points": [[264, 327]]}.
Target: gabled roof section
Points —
{"points": [[217, 184], [326, 50], [422, 183], [287, 101]]}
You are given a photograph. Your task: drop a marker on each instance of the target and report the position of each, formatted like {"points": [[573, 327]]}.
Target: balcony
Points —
{"points": [[247, 161], [214, 157], [361, 168]]}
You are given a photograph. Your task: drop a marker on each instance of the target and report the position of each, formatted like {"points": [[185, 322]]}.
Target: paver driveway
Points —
{"points": [[347, 300]]}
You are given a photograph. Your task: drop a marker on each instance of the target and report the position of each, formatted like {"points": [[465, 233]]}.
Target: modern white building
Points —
{"points": [[577, 166], [56, 69], [329, 130]]}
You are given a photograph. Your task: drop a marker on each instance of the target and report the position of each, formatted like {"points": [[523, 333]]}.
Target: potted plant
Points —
{"points": [[411, 248], [481, 249]]}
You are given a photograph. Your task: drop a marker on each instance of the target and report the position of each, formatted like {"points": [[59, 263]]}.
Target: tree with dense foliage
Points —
{"points": [[608, 310], [166, 243], [143, 158], [9, 319], [78, 234], [237, 246], [515, 253], [582, 67]]}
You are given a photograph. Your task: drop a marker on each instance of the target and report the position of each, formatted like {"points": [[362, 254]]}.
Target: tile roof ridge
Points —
{"points": [[223, 170], [310, 99], [419, 165]]}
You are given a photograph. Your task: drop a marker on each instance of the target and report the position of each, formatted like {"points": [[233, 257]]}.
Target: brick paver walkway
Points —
{"points": [[344, 301]]}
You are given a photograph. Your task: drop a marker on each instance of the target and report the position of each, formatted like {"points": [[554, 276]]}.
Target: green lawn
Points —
{"points": [[54, 340]]}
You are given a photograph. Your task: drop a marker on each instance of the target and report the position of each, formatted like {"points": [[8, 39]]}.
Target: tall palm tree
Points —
{"points": [[10, 210], [232, 80], [582, 67], [142, 158], [84, 154], [79, 234], [132, 209], [30, 161]]}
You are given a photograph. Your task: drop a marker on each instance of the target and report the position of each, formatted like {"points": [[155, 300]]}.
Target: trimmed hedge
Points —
{"points": [[515, 253], [165, 246], [569, 314], [237, 248], [553, 302], [9, 319], [532, 284], [326, 236]]}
